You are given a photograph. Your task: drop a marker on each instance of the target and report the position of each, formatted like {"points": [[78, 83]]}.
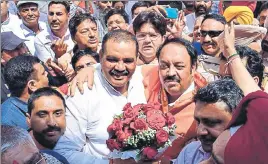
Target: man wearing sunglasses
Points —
{"points": [[211, 27]]}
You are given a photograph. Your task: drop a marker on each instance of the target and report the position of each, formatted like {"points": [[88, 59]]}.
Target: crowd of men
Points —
{"points": [[67, 70]]}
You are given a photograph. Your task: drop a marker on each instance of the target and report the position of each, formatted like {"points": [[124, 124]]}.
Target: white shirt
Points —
{"points": [[29, 35], [89, 115], [43, 42], [11, 24]]}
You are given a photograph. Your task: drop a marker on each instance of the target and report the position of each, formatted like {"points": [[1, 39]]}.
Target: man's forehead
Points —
{"points": [[210, 108], [182, 52], [212, 23]]}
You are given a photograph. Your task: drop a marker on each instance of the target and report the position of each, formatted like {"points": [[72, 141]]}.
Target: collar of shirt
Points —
{"points": [[26, 31], [6, 22], [190, 89], [49, 37], [19, 103], [206, 154]]}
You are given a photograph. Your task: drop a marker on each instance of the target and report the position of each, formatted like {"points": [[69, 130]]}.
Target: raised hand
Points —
{"points": [[229, 40], [59, 47]]}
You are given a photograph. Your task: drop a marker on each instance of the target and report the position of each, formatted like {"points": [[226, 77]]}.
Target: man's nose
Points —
{"points": [[51, 121], [120, 66], [201, 130], [171, 71]]}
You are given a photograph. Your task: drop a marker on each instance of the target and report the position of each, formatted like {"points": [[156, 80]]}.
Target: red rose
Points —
{"points": [[138, 106], [121, 136], [139, 124], [152, 112], [151, 106], [128, 105], [129, 115], [112, 144], [128, 131], [161, 136], [156, 121], [170, 119], [149, 152], [115, 126]]}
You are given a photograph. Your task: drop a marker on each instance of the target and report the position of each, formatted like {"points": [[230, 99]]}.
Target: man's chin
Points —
{"points": [[207, 148]]}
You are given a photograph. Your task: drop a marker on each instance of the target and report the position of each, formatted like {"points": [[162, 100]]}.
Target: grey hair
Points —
{"points": [[12, 136]]}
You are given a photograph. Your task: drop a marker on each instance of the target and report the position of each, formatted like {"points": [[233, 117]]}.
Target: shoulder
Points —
{"points": [[43, 36], [52, 155], [7, 105], [191, 147]]}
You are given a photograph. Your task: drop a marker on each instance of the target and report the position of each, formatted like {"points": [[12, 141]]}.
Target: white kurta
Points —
{"points": [[89, 115]]}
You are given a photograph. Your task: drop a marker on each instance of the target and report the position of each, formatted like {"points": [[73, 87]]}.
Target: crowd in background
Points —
{"points": [[68, 67]]}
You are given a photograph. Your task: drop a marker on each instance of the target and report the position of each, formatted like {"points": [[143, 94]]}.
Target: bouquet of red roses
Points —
{"points": [[141, 132]]}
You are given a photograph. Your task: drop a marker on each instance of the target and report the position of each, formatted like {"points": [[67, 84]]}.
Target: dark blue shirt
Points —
{"points": [[13, 113]]}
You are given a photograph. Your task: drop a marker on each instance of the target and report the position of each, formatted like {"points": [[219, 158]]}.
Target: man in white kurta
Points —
{"points": [[88, 115]]}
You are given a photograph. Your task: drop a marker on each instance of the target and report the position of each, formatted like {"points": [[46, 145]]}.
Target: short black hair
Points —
{"points": [[224, 90], [188, 45], [85, 52], [264, 6], [18, 71], [119, 36], [116, 11], [157, 20], [254, 62], [64, 3], [216, 17], [46, 91], [114, 2], [77, 19], [139, 4]]}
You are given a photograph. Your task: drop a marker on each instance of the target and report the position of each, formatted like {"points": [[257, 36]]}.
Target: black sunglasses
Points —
{"points": [[210, 33]]}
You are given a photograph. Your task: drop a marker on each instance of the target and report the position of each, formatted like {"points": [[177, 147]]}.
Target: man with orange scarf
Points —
{"points": [[173, 85]]}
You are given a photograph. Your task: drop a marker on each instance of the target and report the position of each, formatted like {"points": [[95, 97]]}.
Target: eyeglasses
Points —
{"points": [[142, 36], [210, 33]]}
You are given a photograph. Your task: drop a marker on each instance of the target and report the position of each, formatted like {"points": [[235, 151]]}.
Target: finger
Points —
{"points": [[80, 87], [62, 40], [226, 31], [90, 78], [65, 47], [73, 86], [232, 31]]}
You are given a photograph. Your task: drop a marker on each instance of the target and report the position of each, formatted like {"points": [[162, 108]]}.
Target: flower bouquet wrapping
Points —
{"points": [[141, 132]]}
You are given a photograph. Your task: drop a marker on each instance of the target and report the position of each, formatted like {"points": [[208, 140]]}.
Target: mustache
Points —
{"points": [[209, 43], [51, 128], [115, 72], [201, 7], [172, 78]]}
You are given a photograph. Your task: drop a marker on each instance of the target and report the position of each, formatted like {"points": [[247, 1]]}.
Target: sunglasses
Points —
{"points": [[210, 33]]}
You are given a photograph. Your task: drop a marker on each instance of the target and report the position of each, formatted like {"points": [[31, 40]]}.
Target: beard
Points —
{"points": [[42, 139], [199, 10]]}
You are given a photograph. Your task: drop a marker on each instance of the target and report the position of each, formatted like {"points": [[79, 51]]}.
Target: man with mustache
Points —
{"points": [[46, 117], [56, 40], [208, 62], [215, 104], [117, 81], [201, 7], [29, 13]]}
